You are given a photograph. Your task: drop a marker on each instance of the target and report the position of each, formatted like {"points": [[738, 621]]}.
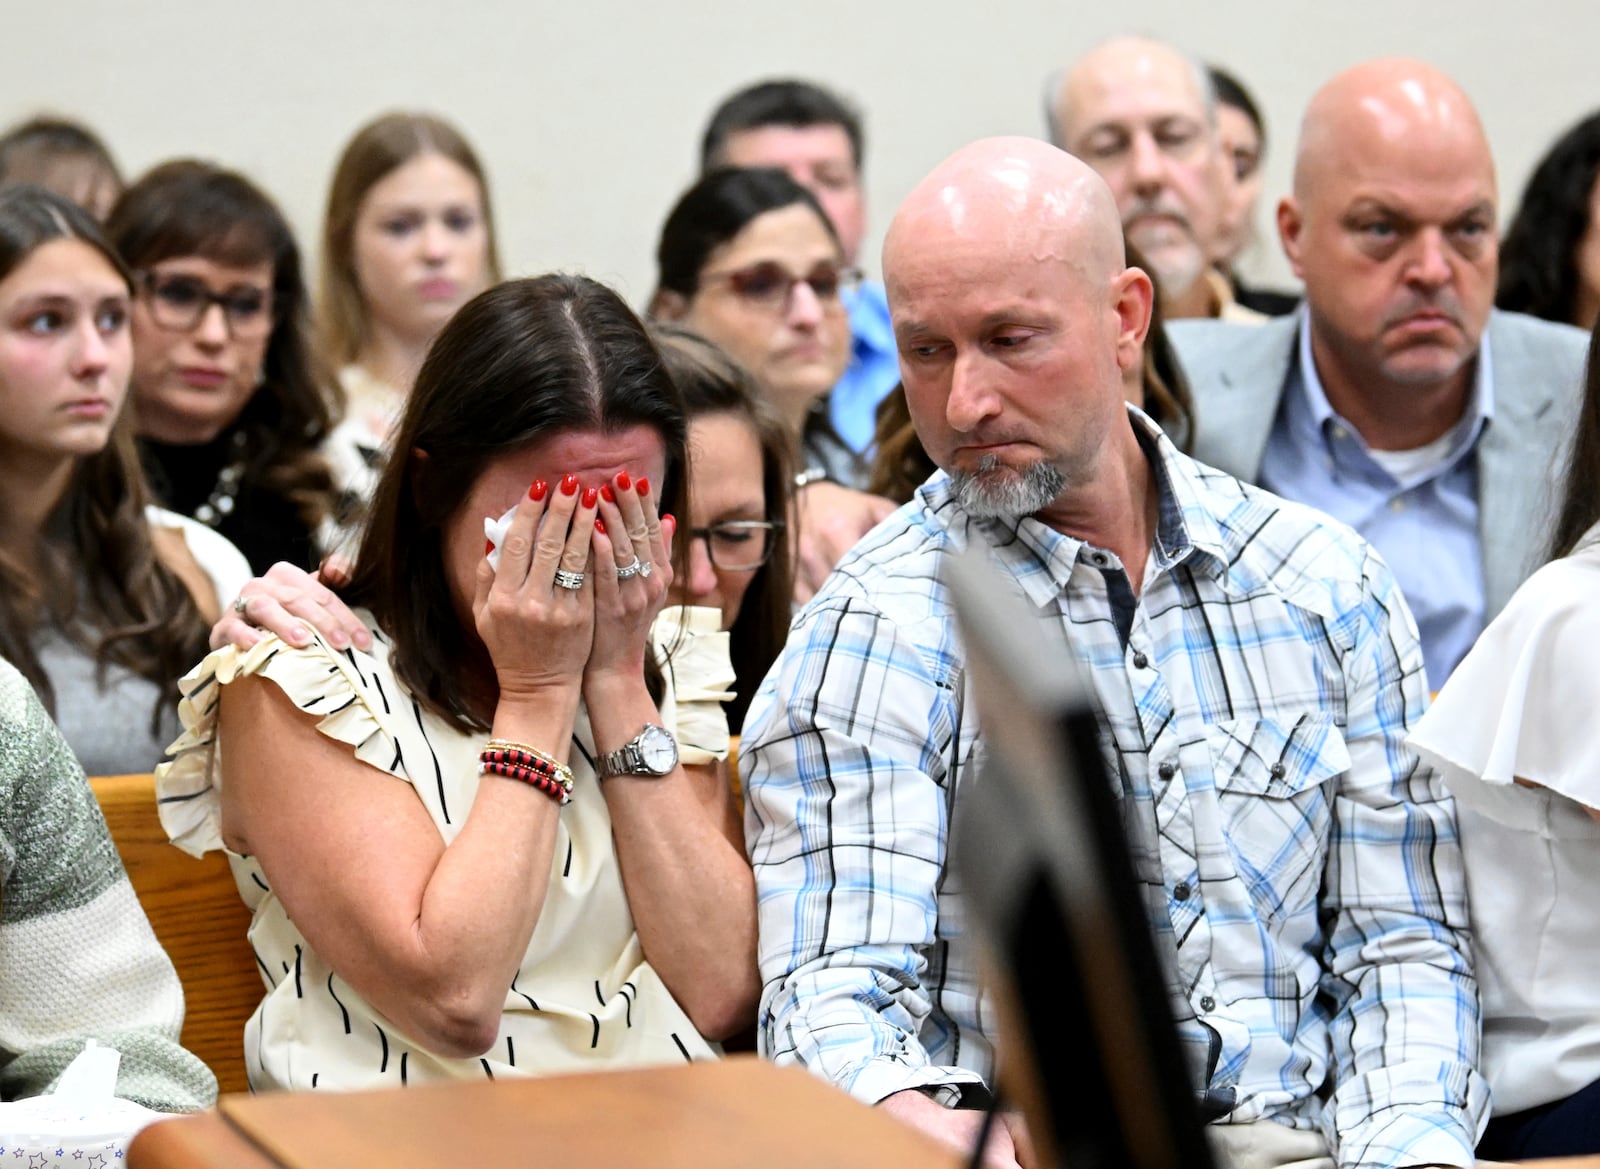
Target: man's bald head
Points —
{"points": [[1137, 60], [1392, 227], [1143, 115], [1378, 114], [1016, 315], [1010, 193]]}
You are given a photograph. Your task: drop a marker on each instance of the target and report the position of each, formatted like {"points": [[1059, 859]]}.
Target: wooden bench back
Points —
{"points": [[195, 909]]}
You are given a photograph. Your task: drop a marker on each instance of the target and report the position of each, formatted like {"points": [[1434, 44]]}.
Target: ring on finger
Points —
{"points": [[634, 569], [645, 569], [241, 606], [569, 580]]}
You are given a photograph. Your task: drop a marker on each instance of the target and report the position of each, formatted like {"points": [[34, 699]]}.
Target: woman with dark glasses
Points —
{"points": [[228, 404], [749, 260]]}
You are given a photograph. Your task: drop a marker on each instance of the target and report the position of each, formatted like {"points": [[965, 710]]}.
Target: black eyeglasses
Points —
{"points": [[770, 285], [179, 303], [739, 545]]}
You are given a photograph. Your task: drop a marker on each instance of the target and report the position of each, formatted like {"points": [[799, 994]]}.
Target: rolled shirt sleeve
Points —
{"points": [[852, 754]]}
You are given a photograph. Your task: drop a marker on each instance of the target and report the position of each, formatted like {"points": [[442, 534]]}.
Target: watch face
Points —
{"points": [[658, 749]]}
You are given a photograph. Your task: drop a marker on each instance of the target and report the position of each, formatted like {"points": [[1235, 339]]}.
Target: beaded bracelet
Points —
{"points": [[549, 761], [529, 764], [554, 788]]}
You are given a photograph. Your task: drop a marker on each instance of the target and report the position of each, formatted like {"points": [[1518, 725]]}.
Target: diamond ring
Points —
{"points": [[241, 606], [569, 580], [634, 569]]}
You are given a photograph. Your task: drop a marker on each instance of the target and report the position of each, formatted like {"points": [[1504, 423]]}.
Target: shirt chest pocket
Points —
{"points": [[1271, 777], [1277, 758]]}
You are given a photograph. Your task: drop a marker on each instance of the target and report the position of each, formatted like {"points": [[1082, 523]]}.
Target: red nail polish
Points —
{"points": [[607, 494], [488, 547], [599, 525], [569, 484], [643, 486], [623, 482], [589, 496], [670, 522], [537, 491]]}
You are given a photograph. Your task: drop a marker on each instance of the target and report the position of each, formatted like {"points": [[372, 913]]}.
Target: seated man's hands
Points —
{"points": [[1006, 1148], [831, 519], [285, 601]]}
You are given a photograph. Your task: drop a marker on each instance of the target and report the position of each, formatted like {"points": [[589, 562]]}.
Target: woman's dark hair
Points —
{"points": [[1579, 508], [1166, 387], [522, 362], [98, 579], [713, 211], [1538, 268], [712, 382], [192, 208], [900, 464], [1230, 91]]}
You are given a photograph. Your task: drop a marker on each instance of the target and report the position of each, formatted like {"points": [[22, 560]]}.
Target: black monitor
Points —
{"points": [[1088, 1046]]}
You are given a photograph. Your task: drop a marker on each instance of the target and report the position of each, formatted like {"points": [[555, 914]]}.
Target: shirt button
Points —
{"points": [[1100, 558], [1278, 770], [1207, 1003], [1181, 890], [1166, 771], [1397, 504], [1340, 433], [1139, 660]]}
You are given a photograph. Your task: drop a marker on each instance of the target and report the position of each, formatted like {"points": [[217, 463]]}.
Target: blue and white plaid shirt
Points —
{"points": [[1301, 866]]}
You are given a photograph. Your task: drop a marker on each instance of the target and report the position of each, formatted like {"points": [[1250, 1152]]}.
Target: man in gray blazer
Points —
{"points": [[1397, 400]]}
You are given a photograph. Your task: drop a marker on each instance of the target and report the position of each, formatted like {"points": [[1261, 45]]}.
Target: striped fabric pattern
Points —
{"points": [[1300, 866], [77, 956]]}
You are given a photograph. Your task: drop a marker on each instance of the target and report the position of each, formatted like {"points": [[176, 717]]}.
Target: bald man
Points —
{"points": [[1257, 671], [1396, 400], [1144, 116]]}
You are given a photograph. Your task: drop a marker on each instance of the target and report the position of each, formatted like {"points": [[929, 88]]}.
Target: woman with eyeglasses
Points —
{"points": [[228, 402], [749, 260], [104, 599], [740, 553]]}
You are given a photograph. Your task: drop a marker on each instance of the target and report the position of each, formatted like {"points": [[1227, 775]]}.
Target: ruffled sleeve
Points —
{"points": [[689, 642], [1522, 704], [334, 685]]}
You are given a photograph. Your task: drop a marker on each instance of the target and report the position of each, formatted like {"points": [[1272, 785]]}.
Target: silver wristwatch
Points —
{"points": [[653, 752]]}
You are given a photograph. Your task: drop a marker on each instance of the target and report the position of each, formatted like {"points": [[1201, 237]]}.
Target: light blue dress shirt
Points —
{"points": [[873, 371], [1425, 527]]}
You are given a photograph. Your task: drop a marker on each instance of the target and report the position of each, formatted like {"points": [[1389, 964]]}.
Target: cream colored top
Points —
{"points": [[356, 450], [1522, 704], [584, 997]]}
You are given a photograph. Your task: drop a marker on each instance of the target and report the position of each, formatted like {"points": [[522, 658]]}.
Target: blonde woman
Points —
{"points": [[407, 240]]}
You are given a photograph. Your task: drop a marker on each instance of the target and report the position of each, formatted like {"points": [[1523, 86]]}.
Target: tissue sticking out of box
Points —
{"points": [[91, 1078]]}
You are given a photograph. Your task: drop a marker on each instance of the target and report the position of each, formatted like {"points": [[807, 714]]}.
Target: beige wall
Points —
{"points": [[587, 112]]}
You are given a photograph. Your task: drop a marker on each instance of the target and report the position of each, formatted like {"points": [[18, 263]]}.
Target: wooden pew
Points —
{"points": [[195, 909]]}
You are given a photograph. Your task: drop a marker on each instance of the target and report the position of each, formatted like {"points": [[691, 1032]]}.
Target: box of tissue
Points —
{"points": [[81, 1125]]}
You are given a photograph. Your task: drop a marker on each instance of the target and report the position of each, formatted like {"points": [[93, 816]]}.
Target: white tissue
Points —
{"points": [[496, 530], [91, 1078]]}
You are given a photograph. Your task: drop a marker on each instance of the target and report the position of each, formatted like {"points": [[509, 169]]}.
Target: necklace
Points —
{"points": [[218, 506]]}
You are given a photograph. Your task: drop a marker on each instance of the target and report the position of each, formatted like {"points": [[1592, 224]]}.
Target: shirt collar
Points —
{"points": [[1042, 559], [1480, 407], [870, 325]]}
